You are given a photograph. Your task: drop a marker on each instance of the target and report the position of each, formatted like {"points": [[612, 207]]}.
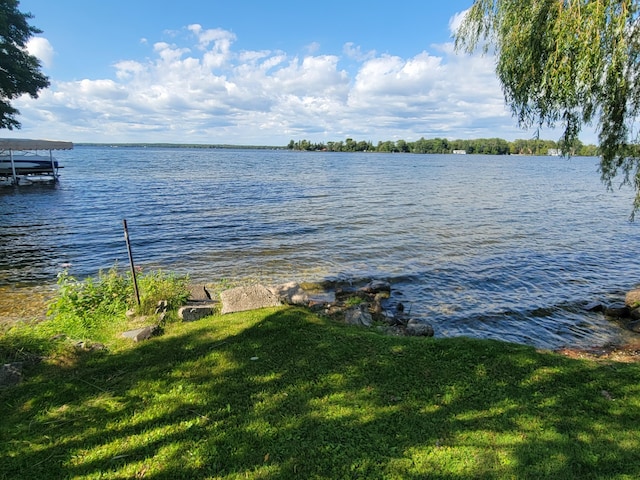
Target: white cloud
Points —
{"points": [[391, 75], [199, 88], [222, 39], [354, 52], [313, 47], [456, 21], [40, 48]]}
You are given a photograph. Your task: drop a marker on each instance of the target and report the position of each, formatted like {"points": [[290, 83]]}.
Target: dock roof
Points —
{"points": [[29, 144]]}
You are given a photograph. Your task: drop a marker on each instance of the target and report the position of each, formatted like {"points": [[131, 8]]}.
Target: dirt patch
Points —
{"points": [[627, 353]]}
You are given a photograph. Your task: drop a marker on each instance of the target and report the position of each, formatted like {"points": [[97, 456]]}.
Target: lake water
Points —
{"points": [[510, 247]]}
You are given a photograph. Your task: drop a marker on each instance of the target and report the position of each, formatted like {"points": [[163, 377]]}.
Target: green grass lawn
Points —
{"points": [[283, 393]]}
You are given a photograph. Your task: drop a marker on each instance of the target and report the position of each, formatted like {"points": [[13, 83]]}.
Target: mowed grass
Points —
{"points": [[283, 393]]}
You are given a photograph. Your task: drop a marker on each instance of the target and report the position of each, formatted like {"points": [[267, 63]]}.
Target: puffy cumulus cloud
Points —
{"points": [[433, 94], [222, 39], [198, 88], [216, 43], [313, 76], [389, 75], [40, 48]]}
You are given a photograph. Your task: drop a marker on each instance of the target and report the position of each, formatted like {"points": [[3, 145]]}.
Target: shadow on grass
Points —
{"points": [[290, 395]]}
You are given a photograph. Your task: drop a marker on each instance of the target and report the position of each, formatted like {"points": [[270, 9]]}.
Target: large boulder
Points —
{"points": [[199, 293], [376, 286], [418, 327], [632, 298], [617, 311], [252, 297], [142, 333], [190, 313], [357, 316], [290, 293]]}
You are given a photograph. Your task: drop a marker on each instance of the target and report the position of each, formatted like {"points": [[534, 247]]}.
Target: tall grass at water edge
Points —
{"points": [[94, 308], [285, 393]]}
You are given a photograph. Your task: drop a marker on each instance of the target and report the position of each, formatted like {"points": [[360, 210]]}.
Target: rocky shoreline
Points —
{"points": [[372, 305], [366, 306], [627, 315]]}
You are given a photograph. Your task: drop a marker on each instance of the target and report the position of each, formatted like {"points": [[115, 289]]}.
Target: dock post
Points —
{"points": [[13, 167], [133, 268], [54, 171]]}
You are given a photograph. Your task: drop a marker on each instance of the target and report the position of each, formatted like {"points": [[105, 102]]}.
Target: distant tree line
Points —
{"points": [[487, 146], [180, 145]]}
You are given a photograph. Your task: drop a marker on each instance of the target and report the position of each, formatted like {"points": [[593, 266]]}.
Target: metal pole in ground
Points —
{"points": [[133, 268]]}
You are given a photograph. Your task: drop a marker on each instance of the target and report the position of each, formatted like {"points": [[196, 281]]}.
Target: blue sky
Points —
{"points": [[257, 72]]}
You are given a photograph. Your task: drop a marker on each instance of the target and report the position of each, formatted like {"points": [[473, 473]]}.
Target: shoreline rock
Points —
{"points": [[626, 314], [242, 299]]}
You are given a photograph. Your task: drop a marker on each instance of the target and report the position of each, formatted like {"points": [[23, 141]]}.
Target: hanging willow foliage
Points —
{"points": [[569, 63]]}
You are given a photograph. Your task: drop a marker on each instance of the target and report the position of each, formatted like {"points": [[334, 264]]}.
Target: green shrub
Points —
{"points": [[83, 308], [158, 286], [95, 307]]}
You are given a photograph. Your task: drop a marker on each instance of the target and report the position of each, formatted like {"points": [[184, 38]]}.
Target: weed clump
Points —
{"points": [[94, 307]]}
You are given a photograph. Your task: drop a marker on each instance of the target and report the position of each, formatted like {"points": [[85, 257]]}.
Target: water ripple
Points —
{"points": [[490, 247]]}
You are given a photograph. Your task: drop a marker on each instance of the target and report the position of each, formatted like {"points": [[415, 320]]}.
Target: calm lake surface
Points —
{"points": [[511, 247]]}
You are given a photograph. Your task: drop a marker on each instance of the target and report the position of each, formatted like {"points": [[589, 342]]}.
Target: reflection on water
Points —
{"points": [[493, 247]]}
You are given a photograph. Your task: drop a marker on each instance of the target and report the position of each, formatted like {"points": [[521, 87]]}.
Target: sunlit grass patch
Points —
{"points": [[284, 393]]}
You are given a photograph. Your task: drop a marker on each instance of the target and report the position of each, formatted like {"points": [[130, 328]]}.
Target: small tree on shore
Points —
{"points": [[19, 71]]}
